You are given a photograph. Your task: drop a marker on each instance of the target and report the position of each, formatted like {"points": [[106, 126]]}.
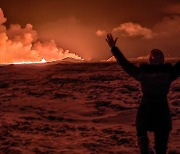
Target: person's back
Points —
{"points": [[155, 84], [153, 113], [155, 79]]}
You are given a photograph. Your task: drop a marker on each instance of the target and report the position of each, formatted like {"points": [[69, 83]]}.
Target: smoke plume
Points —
{"points": [[133, 30], [18, 44], [137, 40]]}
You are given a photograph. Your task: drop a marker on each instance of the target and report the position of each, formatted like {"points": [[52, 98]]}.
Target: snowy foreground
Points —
{"points": [[73, 108]]}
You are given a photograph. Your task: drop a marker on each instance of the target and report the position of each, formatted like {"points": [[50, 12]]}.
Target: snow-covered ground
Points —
{"points": [[73, 108]]}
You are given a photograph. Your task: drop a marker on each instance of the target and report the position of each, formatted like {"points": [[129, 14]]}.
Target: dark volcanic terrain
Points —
{"points": [[73, 108]]}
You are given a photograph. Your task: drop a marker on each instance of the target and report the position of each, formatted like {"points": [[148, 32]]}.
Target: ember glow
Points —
{"points": [[21, 45], [29, 62]]}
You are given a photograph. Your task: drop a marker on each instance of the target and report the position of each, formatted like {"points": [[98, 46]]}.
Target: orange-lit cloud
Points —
{"points": [[2, 18], [101, 33], [129, 29], [80, 26], [135, 39], [133, 30], [19, 44], [72, 34]]}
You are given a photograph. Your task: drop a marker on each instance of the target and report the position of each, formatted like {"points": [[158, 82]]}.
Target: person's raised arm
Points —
{"points": [[128, 67]]}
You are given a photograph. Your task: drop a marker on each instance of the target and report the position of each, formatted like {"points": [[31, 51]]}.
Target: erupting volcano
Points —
{"points": [[21, 45], [94, 76]]}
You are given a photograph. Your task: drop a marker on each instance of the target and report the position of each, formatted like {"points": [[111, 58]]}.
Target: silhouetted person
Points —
{"points": [[153, 113]]}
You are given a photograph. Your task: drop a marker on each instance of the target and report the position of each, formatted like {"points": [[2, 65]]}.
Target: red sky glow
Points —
{"points": [[33, 30]]}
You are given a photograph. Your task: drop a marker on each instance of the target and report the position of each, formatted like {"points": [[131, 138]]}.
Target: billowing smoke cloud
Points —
{"points": [[19, 44], [2, 18], [74, 35], [133, 30], [129, 29], [101, 33], [137, 40], [134, 39]]}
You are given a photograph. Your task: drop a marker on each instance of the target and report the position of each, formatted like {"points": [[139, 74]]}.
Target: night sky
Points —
{"points": [[81, 25]]}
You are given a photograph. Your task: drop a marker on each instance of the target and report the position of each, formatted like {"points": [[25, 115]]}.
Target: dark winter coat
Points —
{"points": [[153, 112]]}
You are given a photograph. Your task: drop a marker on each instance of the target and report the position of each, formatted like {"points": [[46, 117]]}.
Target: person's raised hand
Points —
{"points": [[111, 41]]}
